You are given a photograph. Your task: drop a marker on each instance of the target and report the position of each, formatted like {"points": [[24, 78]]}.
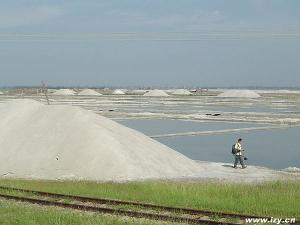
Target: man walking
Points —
{"points": [[239, 158]]}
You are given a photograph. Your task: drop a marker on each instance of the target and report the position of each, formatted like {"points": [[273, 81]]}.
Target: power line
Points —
{"points": [[150, 36]]}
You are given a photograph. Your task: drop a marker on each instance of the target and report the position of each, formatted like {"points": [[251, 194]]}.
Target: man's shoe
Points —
{"points": [[235, 167], [244, 167]]}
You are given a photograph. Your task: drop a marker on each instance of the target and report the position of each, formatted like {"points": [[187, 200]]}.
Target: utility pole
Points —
{"points": [[45, 91]]}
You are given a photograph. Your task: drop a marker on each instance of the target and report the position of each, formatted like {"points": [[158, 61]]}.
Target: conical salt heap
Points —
{"points": [[65, 142]]}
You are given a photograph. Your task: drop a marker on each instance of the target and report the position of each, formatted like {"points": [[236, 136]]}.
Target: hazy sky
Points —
{"points": [[150, 42]]}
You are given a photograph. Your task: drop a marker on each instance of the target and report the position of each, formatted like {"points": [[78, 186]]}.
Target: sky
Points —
{"points": [[182, 43]]}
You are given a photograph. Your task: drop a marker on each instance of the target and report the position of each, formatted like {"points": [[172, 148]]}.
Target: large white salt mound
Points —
{"points": [[118, 92], [156, 93], [89, 92], [181, 92], [66, 142], [239, 94], [64, 92]]}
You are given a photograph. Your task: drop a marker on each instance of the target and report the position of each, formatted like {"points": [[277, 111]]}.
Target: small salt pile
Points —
{"points": [[156, 93], [89, 92], [239, 94], [181, 92], [118, 92], [64, 92]]}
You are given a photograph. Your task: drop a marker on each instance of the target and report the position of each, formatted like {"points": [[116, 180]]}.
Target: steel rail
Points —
{"points": [[140, 204], [113, 211]]}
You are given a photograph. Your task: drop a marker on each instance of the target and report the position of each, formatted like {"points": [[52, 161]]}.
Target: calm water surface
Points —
{"points": [[278, 148]]}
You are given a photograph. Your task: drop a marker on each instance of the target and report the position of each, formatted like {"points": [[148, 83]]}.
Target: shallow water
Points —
{"points": [[272, 148], [278, 148]]}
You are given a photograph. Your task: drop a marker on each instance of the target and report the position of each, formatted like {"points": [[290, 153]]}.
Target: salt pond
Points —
{"points": [[278, 148]]}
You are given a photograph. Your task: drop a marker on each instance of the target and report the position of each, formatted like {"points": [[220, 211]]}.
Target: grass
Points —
{"points": [[277, 199], [21, 214]]}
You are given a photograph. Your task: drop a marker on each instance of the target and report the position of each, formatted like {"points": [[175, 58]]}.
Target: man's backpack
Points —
{"points": [[233, 150]]}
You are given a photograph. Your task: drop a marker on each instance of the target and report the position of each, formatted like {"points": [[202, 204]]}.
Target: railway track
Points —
{"points": [[125, 208]]}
